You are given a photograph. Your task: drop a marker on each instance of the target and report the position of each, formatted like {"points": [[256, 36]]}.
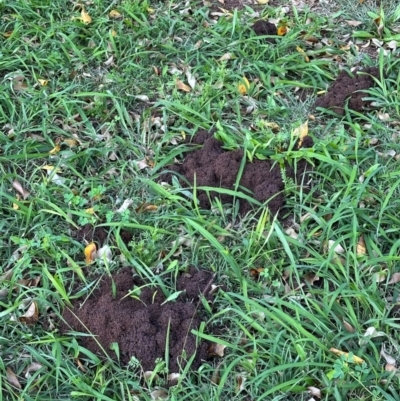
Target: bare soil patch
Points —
{"points": [[141, 325]]}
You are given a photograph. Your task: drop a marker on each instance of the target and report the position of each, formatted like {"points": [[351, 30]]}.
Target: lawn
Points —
{"points": [[210, 175]]}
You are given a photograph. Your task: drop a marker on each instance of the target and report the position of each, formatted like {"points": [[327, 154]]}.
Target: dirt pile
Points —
{"points": [[348, 88], [140, 326], [212, 166], [265, 28]]}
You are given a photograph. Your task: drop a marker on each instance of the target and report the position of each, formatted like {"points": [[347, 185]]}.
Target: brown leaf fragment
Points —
{"points": [[215, 349], [394, 279], [12, 378], [80, 365], [348, 326], [182, 86], [19, 188], [240, 380], [255, 272], [390, 368], [31, 316], [361, 248], [146, 207], [216, 377], [310, 278], [33, 367]]}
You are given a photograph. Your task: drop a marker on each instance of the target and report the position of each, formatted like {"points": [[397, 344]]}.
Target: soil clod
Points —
{"points": [[265, 28], [140, 325], [349, 88]]}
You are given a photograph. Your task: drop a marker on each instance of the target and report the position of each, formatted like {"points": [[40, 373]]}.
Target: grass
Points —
{"points": [[61, 88]]}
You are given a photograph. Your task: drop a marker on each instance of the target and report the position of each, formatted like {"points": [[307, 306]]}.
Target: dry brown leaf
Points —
{"points": [[55, 150], [90, 253], [255, 273], [301, 132], [361, 249], [18, 187], [33, 367], [31, 316], [146, 207], [355, 358], [215, 349], [394, 279], [12, 378], [216, 377], [240, 380], [348, 327], [181, 86], [310, 278], [281, 31]]}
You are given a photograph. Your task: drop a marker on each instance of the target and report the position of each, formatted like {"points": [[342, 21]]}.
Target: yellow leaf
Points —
{"points": [[181, 86], [85, 17], [150, 10], [244, 87], [282, 30], [262, 1], [71, 142], [115, 14], [301, 132], [50, 168], [300, 50], [15, 206], [355, 358], [43, 82], [90, 253], [55, 150], [113, 33], [90, 210]]}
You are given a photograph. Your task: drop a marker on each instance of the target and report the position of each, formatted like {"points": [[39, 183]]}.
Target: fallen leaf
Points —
{"points": [[215, 349], [55, 150], [12, 378], [338, 248], [216, 377], [90, 253], [348, 327], [31, 316], [281, 31], [85, 17], [301, 132], [160, 394], [18, 187], [104, 253], [310, 278], [226, 56], [181, 86], [80, 365], [255, 273], [263, 1], [125, 205], [114, 14], [361, 249], [390, 367], [173, 377], [146, 207], [355, 358], [314, 391], [191, 79], [353, 23], [388, 358], [109, 61], [244, 87], [71, 142], [43, 82], [394, 279], [300, 50], [240, 380]]}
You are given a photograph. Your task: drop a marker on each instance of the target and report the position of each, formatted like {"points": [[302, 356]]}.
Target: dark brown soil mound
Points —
{"points": [[212, 166], [348, 88], [140, 327], [265, 28]]}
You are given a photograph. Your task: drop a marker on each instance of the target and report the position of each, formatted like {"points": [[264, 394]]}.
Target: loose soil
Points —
{"points": [[347, 88], [212, 166], [140, 326]]}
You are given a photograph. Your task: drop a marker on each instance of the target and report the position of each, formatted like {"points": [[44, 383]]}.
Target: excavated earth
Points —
{"points": [[141, 325], [212, 166], [349, 88]]}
